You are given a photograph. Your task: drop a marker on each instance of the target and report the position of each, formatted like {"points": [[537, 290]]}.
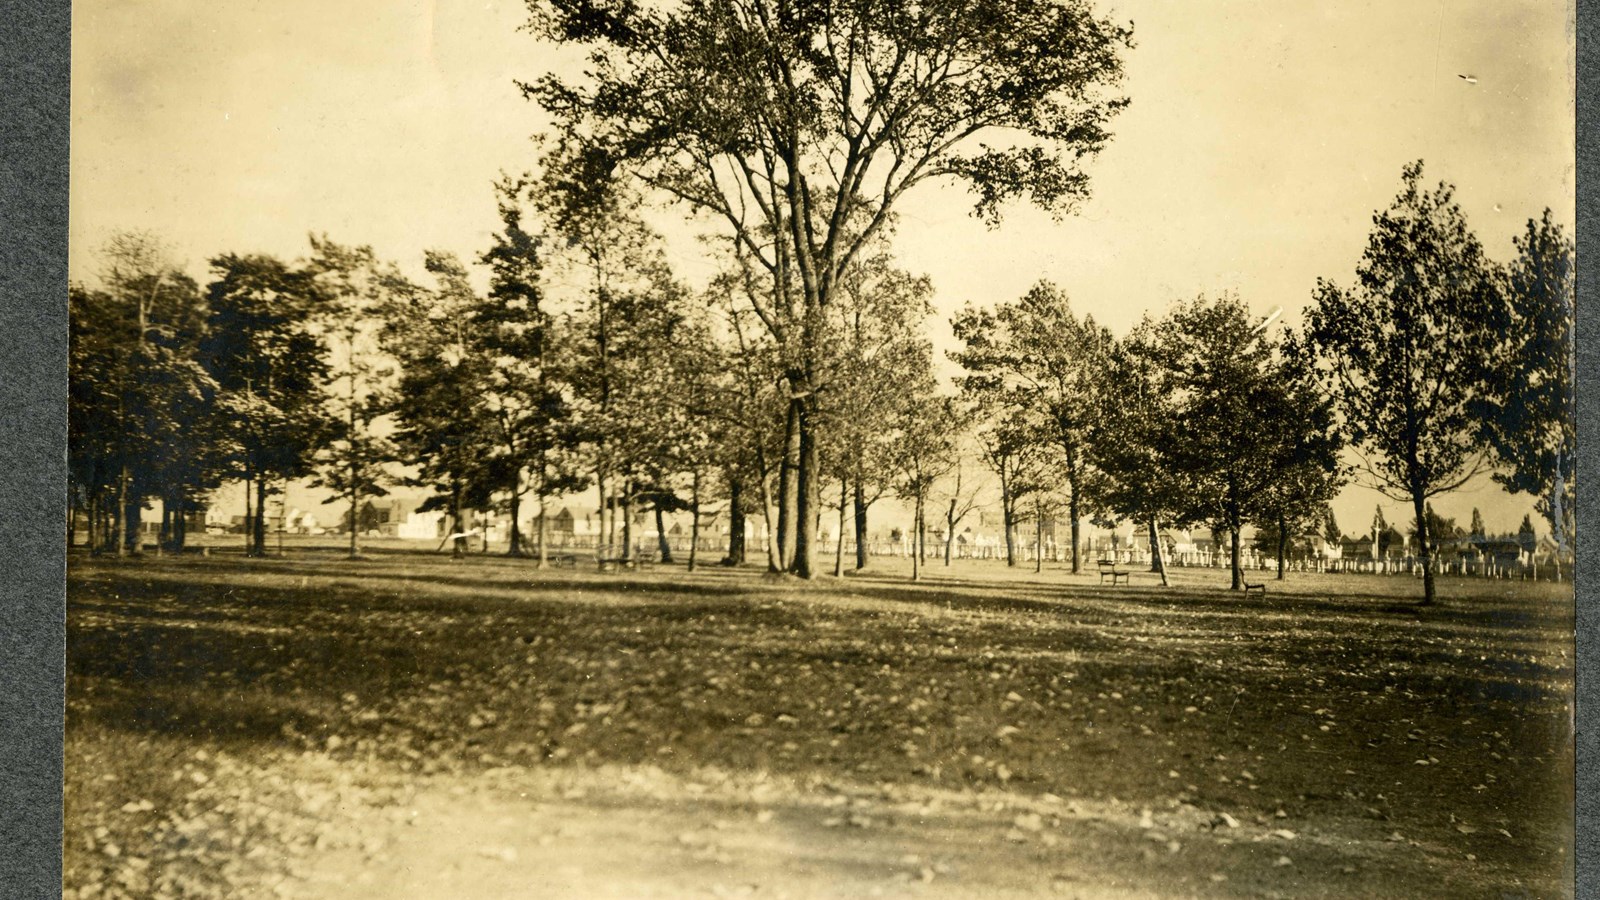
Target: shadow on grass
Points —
{"points": [[1113, 602], [242, 649], [1063, 686]]}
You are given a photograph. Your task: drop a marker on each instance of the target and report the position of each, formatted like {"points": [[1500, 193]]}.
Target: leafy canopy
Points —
{"points": [[786, 120]]}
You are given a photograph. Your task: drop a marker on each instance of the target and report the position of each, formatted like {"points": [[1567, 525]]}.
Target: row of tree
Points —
{"points": [[339, 367], [799, 127], [1436, 365], [666, 400], [1444, 535], [794, 130]]}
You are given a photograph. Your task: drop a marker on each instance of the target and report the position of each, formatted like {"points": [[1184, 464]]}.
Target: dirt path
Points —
{"points": [[631, 832], [644, 833]]}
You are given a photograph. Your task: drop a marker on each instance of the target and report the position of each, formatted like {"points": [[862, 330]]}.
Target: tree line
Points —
{"points": [[667, 400], [799, 382]]}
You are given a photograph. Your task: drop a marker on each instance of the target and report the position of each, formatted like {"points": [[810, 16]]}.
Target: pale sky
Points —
{"points": [[1261, 139]]}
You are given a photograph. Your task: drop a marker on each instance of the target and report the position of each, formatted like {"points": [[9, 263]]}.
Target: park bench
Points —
{"points": [[1259, 587], [1108, 569], [564, 560], [611, 559], [608, 559]]}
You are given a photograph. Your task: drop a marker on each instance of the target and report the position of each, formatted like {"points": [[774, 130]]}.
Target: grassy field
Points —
{"points": [[412, 726]]}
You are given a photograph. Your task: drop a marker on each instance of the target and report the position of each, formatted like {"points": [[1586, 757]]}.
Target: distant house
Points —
{"points": [[565, 526], [244, 524], [422, 525], [1322, 548], [381, 516]]}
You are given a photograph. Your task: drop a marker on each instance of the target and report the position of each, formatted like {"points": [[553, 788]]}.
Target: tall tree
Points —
{"points": [[633, 416], [1244, 433], [1051, 364], [527, 386], [1131, 443], [445, 424], [1009, 450], [1530, 412], [139, 396], [750, 409], [94, 419], [356, 286], [961, 491], [1304, 459], [595, 215], [270, 371], [1330, 527], [690, 387], [925, 450], [800, 127], [1406, 351], [1527, 539], [874, 347]]}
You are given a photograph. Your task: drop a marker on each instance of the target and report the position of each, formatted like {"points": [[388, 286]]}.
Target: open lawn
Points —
{"points": [[409, 726]]}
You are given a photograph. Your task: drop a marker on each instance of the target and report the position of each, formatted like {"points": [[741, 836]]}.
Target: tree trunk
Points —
{"points": [[862, 545], [135, 527], [1283, 543], [787, 497], [355, 524], [627, 519], [662, 545], [355, 493], [1418, 504], [544, 521], [514, 546], [170, 517], [94, 530], [694, 520], [1075, 511], [259, 532], [838, 549], [1038, 537], [1157, 558], [614, 511], [736, 522], [806, 495], [180, 534], [249, 517], [916, 536], [774, 556], [120, 534], [950, 528], [1233, 553], [458, 545], [543, 487], [1009, 514], [600, 534]]}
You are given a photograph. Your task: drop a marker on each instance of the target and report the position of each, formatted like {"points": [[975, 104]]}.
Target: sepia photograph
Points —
{"points": [[813, 449]]}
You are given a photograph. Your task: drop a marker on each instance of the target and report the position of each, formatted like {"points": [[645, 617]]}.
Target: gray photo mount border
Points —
{"points": [[35, 61], [1587, 574]]}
